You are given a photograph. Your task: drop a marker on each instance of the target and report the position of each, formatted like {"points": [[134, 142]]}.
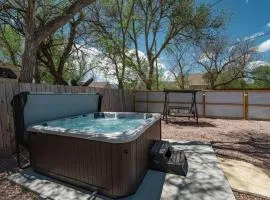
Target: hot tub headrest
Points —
{"points": [[31, 108]]}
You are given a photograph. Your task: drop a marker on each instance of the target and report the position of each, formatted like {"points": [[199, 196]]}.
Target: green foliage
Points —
{"points": [[235, 84], [46, 76], [168, 85], [10, 45], [226, 80], [261, 77], [118, 27]]}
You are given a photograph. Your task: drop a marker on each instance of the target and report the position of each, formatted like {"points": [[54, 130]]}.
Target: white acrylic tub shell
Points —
{"points": [[113, 137]]}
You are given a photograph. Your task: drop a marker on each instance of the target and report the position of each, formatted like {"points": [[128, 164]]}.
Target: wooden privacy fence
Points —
{"points": [[234, 104], [113, 100]]}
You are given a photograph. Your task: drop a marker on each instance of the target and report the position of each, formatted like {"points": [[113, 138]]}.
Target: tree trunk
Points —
{"points": [[182, 81], [157, 75], [57, 78], [30, 48], [120, 84], [212, 84], [37, 76], [33, 36], [149, 82], [28, 62]]}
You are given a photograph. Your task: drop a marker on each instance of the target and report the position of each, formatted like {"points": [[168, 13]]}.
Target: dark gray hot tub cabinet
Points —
{"points": [[113, 169]]}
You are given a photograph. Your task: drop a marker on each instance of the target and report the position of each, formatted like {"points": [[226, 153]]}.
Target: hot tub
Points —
{"points": [[78, 144], [103, 151]]}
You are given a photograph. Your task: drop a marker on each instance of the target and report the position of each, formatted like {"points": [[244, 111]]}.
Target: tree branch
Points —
{"points": [[62, 19]]}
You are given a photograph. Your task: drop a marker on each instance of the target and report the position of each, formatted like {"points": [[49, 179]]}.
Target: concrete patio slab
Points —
{"points": [[205, 180], [246, 177]]}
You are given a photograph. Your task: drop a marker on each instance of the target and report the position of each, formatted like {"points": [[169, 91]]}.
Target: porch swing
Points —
{"points": [[180, 111]]}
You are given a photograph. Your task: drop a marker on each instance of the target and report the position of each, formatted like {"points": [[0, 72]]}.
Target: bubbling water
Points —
{"points": [[97, 125]]}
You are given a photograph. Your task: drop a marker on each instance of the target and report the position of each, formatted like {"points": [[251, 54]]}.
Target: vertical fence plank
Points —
{"points": [[109, 102], [5, 118], [25, 87], [61, 88], [33, 88], [147, 101], [128, 101], [9, 119], [134, 101]]}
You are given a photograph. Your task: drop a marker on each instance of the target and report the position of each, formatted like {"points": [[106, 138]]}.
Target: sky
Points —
{"points": [[247, 19]]}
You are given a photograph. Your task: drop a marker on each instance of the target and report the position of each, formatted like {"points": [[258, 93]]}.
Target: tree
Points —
{"points": [[82, 68], [34, 35], [179, 68], [109, 24], [10, 45], [179, 20], [54, 52], [219, 56], [261, 76], [226, 76]]}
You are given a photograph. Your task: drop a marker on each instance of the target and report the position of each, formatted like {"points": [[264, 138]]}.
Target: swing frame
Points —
{"points": [[193, 111]]}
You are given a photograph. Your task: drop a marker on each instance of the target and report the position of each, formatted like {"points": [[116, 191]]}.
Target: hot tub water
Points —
{"points": [[97, 125], [103, 126]]}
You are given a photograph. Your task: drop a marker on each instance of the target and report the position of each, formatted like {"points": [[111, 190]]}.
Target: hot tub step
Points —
{"points": [[163, 157], [178, 163]]}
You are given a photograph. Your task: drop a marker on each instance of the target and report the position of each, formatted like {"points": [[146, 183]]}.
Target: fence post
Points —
{"points": [[203, 96], [245, 104]]}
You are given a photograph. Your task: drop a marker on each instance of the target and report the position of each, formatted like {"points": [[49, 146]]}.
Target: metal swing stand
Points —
{"points": [[192, 110]]}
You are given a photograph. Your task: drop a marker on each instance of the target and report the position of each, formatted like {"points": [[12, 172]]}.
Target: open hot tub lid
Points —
{"points": [[30, 108]]}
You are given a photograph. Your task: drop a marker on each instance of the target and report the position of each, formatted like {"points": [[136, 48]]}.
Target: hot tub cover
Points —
{"points": [[31, 108]]}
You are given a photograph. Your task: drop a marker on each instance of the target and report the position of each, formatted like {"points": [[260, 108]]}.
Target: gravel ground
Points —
{"points": [[242, 196], [9, 190], [236, 139]]}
